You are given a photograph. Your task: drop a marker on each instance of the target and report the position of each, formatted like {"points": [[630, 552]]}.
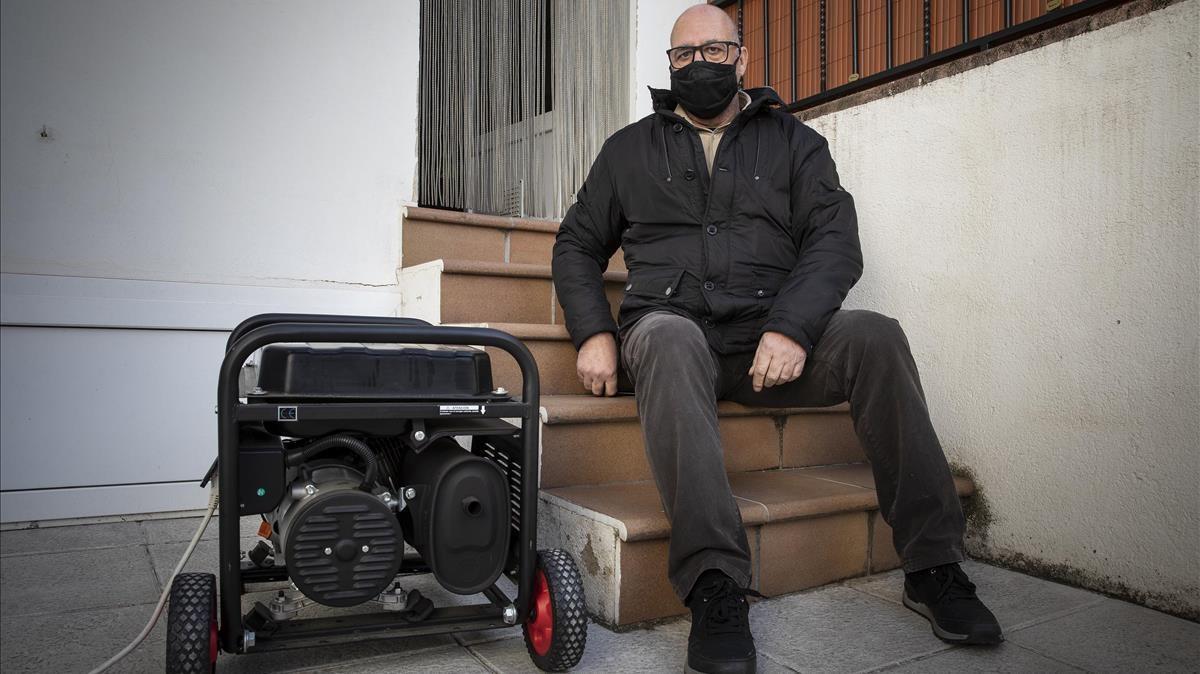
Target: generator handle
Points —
{"points": [[259, 320], [267, 329]]}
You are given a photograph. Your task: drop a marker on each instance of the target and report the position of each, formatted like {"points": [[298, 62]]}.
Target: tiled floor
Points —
{"points": [[72, 596]]}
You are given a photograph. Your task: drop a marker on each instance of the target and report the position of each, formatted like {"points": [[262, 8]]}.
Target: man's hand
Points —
{"points": [[597, 364], [778, 360]]}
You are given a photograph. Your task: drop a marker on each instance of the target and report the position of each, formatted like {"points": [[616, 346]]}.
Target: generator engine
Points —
{"points": [[350, 502], [336, 525]]}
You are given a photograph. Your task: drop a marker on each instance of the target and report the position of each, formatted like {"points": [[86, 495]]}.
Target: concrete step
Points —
{"points": [[470, 291], [432, 234], [551, 348], [806, 527], [590, 440]]}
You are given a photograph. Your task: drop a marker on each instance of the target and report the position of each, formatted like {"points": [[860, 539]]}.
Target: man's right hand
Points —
{"points": [[597, 364]]}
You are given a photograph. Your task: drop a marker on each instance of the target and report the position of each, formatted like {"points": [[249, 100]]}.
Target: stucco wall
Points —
{"points": [[1034, 225]]}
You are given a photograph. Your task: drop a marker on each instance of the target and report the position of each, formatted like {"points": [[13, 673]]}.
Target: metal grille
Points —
{"points": [[811, 51], [506, 458], [389, 451]]}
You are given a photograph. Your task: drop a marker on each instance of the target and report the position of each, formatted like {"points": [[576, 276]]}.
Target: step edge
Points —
{"points": [[725, 409], [464, 267], [586, 513], [539, 332], [657, 534], [963, 486], [441, 216], [965, 491]]}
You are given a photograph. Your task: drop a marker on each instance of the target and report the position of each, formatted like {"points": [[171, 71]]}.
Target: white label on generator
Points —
{"points": [[458, 409]]}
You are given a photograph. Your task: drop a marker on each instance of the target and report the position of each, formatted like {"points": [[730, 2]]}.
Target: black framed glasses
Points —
{"points": [[716, 51]]}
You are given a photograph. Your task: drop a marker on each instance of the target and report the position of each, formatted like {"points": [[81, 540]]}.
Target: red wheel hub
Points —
{"points": [[213, 647], [541, 615]]}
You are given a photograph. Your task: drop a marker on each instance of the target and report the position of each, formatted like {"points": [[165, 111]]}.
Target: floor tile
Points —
{"points": [[73, 596], [445, 660], [1007, 657], [79, 641], [1015, 598], [65, 539], [181, 529], [204, 559], [838, 629], [652, 650], [1116, 636], [83, 579], [883, 585]]}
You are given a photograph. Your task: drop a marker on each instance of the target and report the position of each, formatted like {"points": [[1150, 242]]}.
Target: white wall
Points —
{"points": [[651, 39], [1034, 226], [231, 142], [204, 162]]}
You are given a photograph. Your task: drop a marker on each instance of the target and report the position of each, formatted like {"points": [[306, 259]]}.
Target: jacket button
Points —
{"points": [[711, 229], [759, 292], [668, 291], [677, 128], [689, 175], [709, 285], [708, 323], [628, 286]]}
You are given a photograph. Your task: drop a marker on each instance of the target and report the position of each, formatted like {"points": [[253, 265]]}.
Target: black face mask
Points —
{"points": [[704, 89]]}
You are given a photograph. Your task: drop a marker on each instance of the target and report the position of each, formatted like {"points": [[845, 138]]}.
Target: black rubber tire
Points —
{"points": [[191, 616], [570, 619]]}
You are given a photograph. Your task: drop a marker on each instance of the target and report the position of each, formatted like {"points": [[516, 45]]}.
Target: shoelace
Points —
{"points": [[726, 610], [954, 583]]}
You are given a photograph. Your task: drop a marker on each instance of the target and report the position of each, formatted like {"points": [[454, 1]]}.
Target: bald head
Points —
{"points": [[702, 23]]}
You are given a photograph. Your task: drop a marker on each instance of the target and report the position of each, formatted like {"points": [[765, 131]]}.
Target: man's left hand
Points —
{"points": [[778, 360]]}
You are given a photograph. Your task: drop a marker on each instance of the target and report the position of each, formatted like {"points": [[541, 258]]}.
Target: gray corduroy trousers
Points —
{"points": [[864, 358]]}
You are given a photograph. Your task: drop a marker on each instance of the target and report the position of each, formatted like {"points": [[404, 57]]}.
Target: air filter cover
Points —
{"points": [[459, 518]]}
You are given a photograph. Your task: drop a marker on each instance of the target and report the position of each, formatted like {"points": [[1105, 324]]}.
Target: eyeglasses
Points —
{"points": [[716, 51]]}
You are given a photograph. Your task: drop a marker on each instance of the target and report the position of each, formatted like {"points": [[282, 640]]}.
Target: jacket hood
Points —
{"points": [[664, 100]]}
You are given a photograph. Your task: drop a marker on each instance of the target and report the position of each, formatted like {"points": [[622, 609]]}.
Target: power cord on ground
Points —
{"points": [[213, 500]]}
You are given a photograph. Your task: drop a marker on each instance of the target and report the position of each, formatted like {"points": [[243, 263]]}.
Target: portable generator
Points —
{"points": [[360, 439]]}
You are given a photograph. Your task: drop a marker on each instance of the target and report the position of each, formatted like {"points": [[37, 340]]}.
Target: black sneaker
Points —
{"points": [[720, 640], [946, 597]]}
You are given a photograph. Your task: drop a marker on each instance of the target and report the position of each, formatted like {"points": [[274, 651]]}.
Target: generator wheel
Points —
{"points": [[192, 624], [556, 630]]}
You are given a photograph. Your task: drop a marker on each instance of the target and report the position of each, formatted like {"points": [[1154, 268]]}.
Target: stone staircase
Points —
{"points": [[800, 478]]}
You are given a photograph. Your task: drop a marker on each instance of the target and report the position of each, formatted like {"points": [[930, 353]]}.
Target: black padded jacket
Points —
{"points": [[769, 242]]}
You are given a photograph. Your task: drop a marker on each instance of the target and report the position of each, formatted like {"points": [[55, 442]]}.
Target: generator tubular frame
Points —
{"points": [[264, 329]]}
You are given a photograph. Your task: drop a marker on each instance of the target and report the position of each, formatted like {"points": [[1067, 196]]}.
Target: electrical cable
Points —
{"points": [[213, 500]]}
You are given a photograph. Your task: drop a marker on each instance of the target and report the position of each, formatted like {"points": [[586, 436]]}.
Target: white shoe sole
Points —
{"points": [[944, 635]]}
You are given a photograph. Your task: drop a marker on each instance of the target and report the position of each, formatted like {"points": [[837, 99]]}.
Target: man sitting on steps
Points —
{"points": [[741, 245]]}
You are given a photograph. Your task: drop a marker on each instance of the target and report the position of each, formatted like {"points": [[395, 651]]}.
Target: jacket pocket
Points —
{"points": [[659, 283], [767, 282]]}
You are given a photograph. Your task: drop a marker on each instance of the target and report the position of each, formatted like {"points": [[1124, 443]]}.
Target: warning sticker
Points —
{"points": [[445, 410]]}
